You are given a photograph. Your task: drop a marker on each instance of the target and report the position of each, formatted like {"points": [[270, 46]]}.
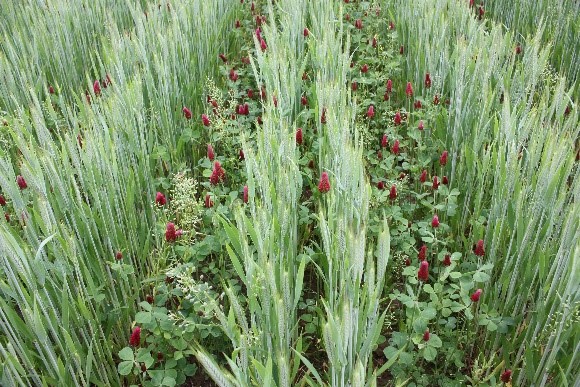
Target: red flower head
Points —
{"points": [[21, 182], [518, 49], [386, 97], [241, 155], [2, 201], [389, 86], [371, 112], [423, 273], [135, 339], [402, 50], [443, 158], [171, 233], [218, 174], [407, 262], [358, 24], [51, 89], [393, 192], [275, 101], [323, 116], [471, 3], [391, 25], [364, 68], [418, 104], [208, 201], [246, 110], [381, 185], [263, 45], [233, 75], [97, 87], [397, 118], [306, 32], [354, 85], [409, 90], [258, 34], [445, 180], [475, 296], [506, 376], [347, 17], [435, 221], [160, 199], [210, 152], [435, 182], [245, 194], [421, 126], [447, 260], [304, 100], [426, 335], [427, 80], [423, 177], [252, 7], [481, 12], [223, 58], [422, 253], [250, 93], [263, 93], [299, 136], [205, 120], [186, 113], [479, 248], [374, 42], [324, 183], [259, 119], [119, 256], [7, 217], [384, 141], [436, 99], [395, 148], [380, 155], [238, 24]]}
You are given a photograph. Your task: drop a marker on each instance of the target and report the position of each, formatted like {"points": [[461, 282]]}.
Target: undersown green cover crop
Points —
{"points": [[289, 193]]}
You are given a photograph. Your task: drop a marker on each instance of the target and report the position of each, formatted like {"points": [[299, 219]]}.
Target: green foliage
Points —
{"points": [[90, 170], [267, 279]]}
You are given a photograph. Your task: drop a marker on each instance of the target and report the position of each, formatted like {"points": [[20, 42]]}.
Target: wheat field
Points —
{"points": [[289, 193]]}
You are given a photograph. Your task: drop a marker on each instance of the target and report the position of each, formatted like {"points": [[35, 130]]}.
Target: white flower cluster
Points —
{"points": [[187, 209]]}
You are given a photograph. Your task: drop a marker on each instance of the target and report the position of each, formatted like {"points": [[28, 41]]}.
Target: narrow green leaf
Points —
{"points": [[391, 361], [310, 368], [237, 265], [299, 282]]}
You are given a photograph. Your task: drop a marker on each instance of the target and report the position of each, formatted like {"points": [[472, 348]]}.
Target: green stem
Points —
{"points": [[415, 307]]}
